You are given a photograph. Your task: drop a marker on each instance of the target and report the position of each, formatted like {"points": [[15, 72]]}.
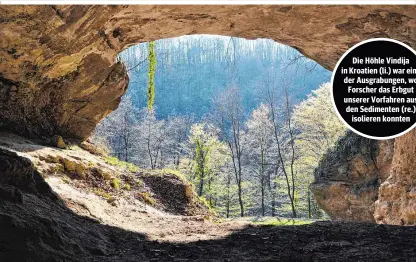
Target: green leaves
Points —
{"points": [[151, 74]]}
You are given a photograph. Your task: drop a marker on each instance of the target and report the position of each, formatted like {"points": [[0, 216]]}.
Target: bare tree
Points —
{"points": [[259, 139], [120, 129], [229, 117], [282, 130], [177, 129]]}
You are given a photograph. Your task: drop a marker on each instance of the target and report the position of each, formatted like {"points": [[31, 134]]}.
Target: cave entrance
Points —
{"points": [[216, 98], [59, 77]]}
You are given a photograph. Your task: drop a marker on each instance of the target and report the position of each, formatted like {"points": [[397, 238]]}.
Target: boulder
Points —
{"points": [[348, 177]]}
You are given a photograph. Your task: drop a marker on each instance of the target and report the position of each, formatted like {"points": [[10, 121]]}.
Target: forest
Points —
{"points": [[246, 121]]}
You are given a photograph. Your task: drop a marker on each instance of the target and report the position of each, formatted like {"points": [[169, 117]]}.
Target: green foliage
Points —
{"points": [[196, 68], [170, 171], [151, 75], [147, 198], [115, 183], [284, 222], [318, 129], [297, 198], [132, 168], [101, 193], [209, 152], [209, 157], [127, 187], [205, 202], [114, 161], [206, 157]]}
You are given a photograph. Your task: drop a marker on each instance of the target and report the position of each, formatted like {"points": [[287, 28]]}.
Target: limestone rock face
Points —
{"points": [[58, 69], [397, 195], [348, 177], [369, 181]]}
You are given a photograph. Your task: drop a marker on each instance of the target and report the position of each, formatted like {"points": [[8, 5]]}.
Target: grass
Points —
{"points": [[165, 171], [145, 196], [132, 168], [115, 183], [205, 202], [101, 193], [272, 221], [114, 161]]}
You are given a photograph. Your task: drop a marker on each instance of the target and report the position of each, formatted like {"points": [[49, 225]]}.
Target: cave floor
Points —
{"points": [[50, 218], [80, 227]]}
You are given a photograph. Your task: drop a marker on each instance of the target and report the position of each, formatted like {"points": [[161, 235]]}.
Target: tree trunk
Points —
{"points": [[281, 160], [201, 182], [309, 204], [262, 180], [240, 199], [262, 201], [228, 195]]}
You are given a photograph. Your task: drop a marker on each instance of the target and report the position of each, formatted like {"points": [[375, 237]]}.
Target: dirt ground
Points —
{"points": [[79, 226], [133, 215]]}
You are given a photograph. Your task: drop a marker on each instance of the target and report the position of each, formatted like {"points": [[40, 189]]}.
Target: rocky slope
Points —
{"points": [[114, 181], [59, 74]]}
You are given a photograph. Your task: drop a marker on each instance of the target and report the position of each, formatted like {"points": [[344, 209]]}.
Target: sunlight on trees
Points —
{"points": [[243, 160], [319, 128]]}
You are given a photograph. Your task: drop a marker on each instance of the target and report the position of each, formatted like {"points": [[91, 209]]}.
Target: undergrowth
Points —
{"points": [[114, 161], [147, 198], [115, 183], [101, 193], [282, 222], [169, 171]]}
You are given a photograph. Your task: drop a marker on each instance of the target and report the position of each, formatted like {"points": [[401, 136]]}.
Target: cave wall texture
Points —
{"points": [[349, 175], [367, 180], [59, 74], [58, 67]]}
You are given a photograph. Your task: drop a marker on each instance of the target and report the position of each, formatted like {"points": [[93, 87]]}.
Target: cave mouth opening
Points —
{"points": [[186, 62], [204, 86]]}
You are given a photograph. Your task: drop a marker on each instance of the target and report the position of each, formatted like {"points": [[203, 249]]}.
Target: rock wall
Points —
{"points": [[348, 177], [368, 180], [58, 69], [397, 195]]}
